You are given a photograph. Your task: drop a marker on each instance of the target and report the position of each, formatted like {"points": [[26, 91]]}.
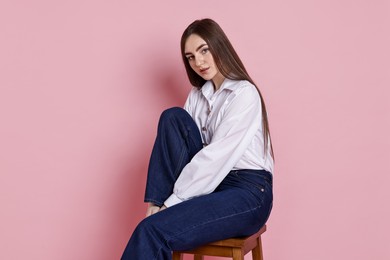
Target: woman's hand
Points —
{"points": [[152, 209]]}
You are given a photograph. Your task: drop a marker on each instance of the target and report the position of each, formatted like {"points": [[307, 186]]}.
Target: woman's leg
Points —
{"points": [[178, 140], [239, 207]]}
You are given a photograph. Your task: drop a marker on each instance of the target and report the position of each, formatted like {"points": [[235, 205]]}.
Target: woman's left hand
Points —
{"points": [[153, 209]]}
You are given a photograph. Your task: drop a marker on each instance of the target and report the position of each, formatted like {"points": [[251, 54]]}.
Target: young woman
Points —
{"points": [[210, 172]]}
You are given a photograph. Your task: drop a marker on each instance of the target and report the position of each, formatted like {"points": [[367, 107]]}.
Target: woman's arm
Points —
{"points": [[241, 120]]}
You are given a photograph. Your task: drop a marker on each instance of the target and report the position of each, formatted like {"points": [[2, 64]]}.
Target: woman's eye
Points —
{"points": [[190, 57], [205, 50]]}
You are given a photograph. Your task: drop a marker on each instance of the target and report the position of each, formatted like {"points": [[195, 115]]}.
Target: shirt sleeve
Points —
{"points": [[240, 121]]}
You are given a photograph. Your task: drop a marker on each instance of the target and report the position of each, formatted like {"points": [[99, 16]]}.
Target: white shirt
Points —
{"points": [[230, 122]]}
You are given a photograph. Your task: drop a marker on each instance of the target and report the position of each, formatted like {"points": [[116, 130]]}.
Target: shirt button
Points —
{"points": [[204, 128]]}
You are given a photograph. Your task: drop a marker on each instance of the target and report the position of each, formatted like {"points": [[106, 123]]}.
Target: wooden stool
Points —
{"points": [[233, 247]]}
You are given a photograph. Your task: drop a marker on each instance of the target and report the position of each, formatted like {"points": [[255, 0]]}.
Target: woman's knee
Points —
{"points": [[172, 113], [147, 226]]}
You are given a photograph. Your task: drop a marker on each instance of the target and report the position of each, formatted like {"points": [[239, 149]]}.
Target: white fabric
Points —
{"points": [[230, 122]]}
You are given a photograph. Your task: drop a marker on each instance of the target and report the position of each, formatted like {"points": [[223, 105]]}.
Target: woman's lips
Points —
{"points": [[204, 71]]}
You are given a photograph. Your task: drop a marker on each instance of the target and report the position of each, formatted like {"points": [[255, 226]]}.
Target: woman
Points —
{"points": [[210, 172]]}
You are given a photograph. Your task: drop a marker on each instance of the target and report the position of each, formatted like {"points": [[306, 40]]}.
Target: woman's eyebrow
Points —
{"points": [[197, 49]]}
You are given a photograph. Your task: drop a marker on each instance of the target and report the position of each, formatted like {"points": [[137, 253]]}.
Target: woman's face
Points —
{"points": [[200, 59]]}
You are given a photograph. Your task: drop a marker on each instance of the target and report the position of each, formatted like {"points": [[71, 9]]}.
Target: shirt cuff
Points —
{"points": [[172, 200]]}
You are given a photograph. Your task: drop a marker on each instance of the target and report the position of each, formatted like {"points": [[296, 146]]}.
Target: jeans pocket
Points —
{"points": [[252, 179], [258, 182]]}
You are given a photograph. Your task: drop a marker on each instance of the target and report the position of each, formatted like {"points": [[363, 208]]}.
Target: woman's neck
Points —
{"points": [[217, 81]]}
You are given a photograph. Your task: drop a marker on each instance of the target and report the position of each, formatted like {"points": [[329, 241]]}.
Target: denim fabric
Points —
{"points": [[239, 206], [178, 140]]}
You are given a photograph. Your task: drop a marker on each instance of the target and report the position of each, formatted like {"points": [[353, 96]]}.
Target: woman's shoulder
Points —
{"points": [[194, 94], [243, 92], [241, 88], [237, 85], [194, 91]]}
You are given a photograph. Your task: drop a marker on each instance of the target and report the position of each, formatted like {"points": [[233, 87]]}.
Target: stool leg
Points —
{"points": [[177, 256], [257, 252], [198, 257], [238, 254]]}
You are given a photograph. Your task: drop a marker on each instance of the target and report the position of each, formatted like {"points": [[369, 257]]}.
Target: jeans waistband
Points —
{"points": [[267, 176]]}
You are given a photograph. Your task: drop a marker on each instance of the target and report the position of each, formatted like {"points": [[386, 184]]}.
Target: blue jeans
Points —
{"points": [[239, 206]]}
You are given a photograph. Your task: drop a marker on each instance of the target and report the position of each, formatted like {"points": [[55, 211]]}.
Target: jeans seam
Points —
{"points": [[208, 222], [176, 172], [158, 252]]}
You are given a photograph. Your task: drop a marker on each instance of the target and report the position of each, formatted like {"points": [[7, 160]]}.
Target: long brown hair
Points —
{"points": [[226, 59]]}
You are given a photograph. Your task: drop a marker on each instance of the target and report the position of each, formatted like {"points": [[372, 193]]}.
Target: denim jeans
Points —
{"points": [[239, 206]]}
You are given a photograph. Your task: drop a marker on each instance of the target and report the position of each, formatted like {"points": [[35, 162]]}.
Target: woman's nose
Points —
{"points": [[198, 61]]}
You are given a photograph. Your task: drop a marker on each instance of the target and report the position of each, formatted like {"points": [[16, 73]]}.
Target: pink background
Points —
{"points": [[82, 84]]}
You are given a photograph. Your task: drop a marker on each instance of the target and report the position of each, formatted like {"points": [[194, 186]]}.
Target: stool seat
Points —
{"points": [[236, 248]]}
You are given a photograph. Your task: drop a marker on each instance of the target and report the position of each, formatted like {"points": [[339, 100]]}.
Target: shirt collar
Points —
{"points": [[208, 87]]}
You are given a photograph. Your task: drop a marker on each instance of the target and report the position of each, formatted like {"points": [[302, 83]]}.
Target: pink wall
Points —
{"points": [[82, 84]]}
